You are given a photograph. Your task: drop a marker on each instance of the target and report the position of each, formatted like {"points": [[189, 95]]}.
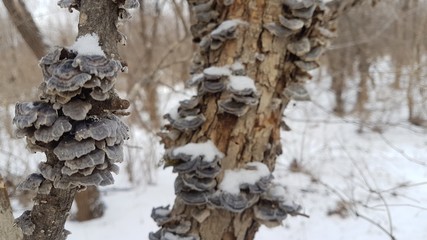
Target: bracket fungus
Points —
{"points": [[299, 47], [278, 30], [273, 207], [75, 123], [293, 24], [37, 114], [54, 132], [32, 182], [97, 65], [297, 92]]}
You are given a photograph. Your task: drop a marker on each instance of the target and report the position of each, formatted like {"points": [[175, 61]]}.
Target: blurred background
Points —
{"points": [[355, 156]]}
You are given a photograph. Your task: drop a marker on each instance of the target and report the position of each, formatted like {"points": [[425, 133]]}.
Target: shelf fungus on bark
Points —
{"points": [[98, 65], [189, 123], [128, 4], [24, 222], [31, 183], [54, 132], [306, 66], [102, 128], [314, 54], [163, 234], [161, 215], [305, 13], [278, 30], [274, 207], [225, 31], [233, 107], [300, 47], [65, 77], [76, 109], [206, 16], [293, 24], [70, 4], [34, 114], [296, 91], [69, 149], [92, 159], [298, 4]]}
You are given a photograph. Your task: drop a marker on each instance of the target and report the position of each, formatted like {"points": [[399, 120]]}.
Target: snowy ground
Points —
{"points": [[378, 178]]}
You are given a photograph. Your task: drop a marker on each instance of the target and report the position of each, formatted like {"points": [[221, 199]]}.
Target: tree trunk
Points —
{"points": [[29, 31], [252, 136], [89, 204], [362, 90], [26, 26], [8, 231], [58, 182]]}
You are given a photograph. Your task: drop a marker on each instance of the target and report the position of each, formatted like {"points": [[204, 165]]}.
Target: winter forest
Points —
{"points": [[213, 119]]}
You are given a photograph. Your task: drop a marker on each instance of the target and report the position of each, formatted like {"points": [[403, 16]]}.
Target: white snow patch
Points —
{"points": [[277, 191], [217, 71], [240, 83], [251, 174], [162, 212], [207, 149], [226, 26], [173, 113], [195, 79], [237, 66], [88, 45]]}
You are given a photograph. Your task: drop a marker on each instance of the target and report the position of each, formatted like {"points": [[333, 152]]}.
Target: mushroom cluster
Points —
{"points": [[303, 21], [173, 228], [273, 207], [75, 121], [206, 16], [197, 165]]}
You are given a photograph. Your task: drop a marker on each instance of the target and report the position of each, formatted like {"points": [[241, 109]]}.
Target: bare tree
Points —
{"points": [[25, 24], [7, 229], [253, 57], [76, 122]]}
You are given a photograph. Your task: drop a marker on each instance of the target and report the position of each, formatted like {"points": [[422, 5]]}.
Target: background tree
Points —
{"points": [[253, 57]]}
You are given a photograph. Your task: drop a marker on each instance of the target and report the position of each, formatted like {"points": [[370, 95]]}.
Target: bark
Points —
{"points": [[26, 26], [8, 231], [254, 137], [89, 205]]}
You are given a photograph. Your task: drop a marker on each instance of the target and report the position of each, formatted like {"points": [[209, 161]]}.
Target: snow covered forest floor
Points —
{"points": [[354, 185]]}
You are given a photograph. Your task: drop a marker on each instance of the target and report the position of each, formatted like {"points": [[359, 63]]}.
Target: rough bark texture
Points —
{"points": [[255, 136], [8, 231], [26, 26], [100, 17]]}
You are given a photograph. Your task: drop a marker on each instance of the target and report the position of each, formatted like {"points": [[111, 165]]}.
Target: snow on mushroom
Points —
{"points": [[197, 165]]}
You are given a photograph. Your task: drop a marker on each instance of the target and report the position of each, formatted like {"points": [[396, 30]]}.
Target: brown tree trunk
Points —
{"points": [[29, 31], [8, 231], [362, 90], [254, 136], [89, 204], [50, 211], [26, 26]]}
